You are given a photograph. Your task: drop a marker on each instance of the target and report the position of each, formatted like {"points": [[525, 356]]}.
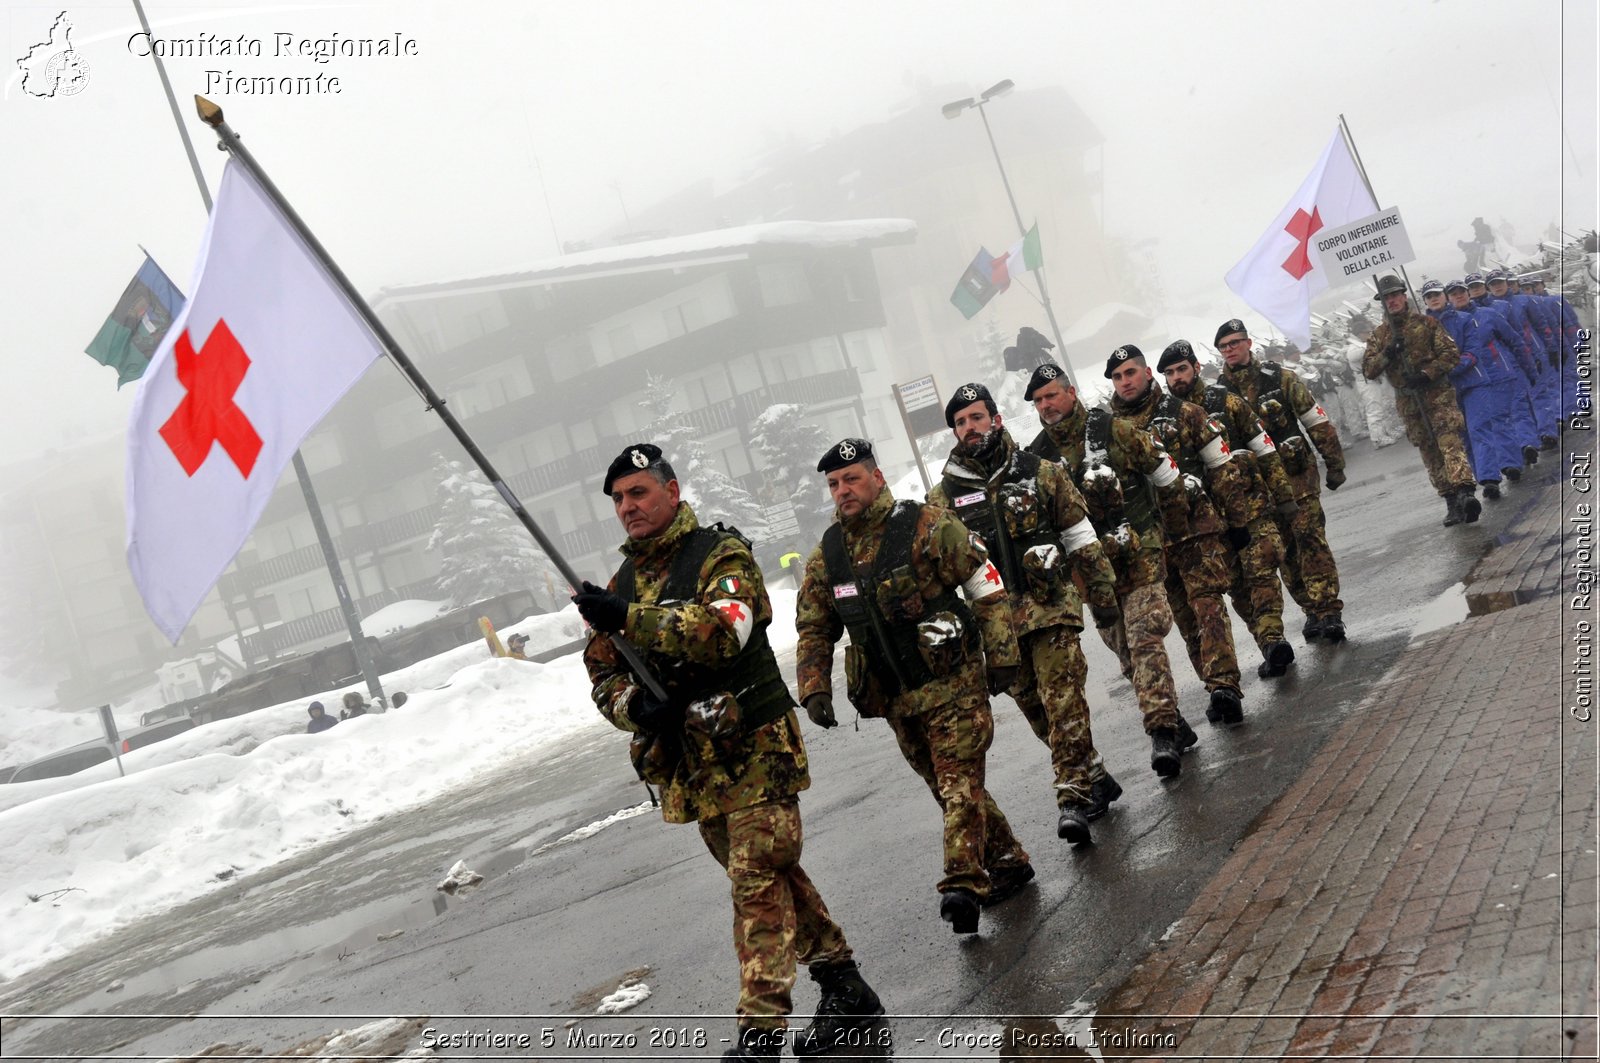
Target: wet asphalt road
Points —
{"points": [[355, 928]]}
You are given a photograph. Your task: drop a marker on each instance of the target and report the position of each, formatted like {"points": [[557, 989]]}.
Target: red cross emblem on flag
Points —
{"points": [[208, 413], [1301, 226]]}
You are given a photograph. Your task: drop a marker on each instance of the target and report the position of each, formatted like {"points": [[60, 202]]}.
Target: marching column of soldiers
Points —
{"points": [[1146, 512]]}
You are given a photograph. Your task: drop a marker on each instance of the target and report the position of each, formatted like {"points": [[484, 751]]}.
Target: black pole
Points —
{"points": [[211, 114]]}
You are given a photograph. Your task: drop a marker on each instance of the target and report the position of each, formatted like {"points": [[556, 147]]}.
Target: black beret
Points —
{"points": [[1045, 374], [965, 396], [845, 452], [1120, 355], [635, 458], [1228, 328], [1177, 351]]}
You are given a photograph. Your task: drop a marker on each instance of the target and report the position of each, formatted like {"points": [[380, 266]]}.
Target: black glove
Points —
{"points": [[604, 610], [820, 708], [1417, 380], [1238, 538], [1393, 351], [1105, 615], [650, 713], [1290, 507], [1334, 479], [1001, 676]]}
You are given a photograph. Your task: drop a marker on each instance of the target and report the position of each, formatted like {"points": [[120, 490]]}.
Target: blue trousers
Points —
{"points": [[1492, 430]]}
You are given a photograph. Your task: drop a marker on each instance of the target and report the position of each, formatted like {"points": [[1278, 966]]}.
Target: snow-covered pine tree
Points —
{"points": [[714, 494], [483, 549], [790, 443]]}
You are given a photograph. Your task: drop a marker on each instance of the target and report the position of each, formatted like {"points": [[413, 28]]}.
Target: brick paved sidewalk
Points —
{"points": [[1428, 888]]}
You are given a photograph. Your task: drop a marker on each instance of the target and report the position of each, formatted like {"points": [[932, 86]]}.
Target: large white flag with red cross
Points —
{"points": [[260, 353], [1280, 276]]}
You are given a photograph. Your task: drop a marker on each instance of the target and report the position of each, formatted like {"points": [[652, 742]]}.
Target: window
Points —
{"points": [[683, 318], [621, 342], [782, 283]]}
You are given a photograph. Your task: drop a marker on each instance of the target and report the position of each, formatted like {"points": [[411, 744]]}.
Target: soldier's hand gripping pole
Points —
{"points": [[229, 141]]}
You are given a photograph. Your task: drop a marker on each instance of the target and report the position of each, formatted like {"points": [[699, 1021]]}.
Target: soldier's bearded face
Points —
{"points": [[854, 488], [1235, 349], [1131, 380], [644, 504], [974, 422], [1180, 378], [1054, 401]]}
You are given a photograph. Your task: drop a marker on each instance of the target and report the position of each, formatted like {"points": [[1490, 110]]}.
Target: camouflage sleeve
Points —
{"points": [[731, 606], [1146, 456], [819, 628], [1078, 537], [1372, 359], [614, 684], [1442, 353], [1261, 445], [1324, 436], [958, 559], [939, 496], [1225, 479]]}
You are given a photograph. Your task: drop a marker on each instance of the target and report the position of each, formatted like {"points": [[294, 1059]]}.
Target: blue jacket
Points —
{"points": [[1527, 347], [1487, 346]]}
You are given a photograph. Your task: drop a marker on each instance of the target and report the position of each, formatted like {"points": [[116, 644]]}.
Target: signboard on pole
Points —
{"points": [[113, 739], [923, 415], [781, 520], [1375, 244]]}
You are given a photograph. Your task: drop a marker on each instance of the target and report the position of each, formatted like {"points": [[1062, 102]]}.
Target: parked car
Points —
{"points": [[76, 758]]}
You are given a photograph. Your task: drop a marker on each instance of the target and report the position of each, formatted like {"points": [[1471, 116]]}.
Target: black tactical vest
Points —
{"points": [[1139, 496], [1272, 405], [752, 677], [885, 627], [1024, 523]]}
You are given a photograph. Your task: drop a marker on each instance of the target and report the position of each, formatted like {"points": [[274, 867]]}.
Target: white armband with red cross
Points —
{"points": [[1262, 445], [1216, 453], [737, 614], [1314, 416], [984, 582], [1166, 474]]}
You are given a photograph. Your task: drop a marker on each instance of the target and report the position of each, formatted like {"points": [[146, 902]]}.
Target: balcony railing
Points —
{"points": [[275, 641]]}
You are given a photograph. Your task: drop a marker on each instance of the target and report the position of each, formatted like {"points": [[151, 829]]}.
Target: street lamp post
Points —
{"points": [[954, 110]]}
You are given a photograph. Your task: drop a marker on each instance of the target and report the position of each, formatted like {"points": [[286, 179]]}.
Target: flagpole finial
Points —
{"points": [[210, 113]]}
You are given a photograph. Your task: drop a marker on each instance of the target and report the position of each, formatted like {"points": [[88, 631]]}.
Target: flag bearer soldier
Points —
{"points": [[1256, 594], [1298, 426], [724, 745], [1034, 524], [888, 571], [1102, 455], [1197, 563]]}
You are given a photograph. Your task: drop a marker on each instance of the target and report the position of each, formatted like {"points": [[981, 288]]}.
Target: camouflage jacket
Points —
{"points": [[710, 780], [1251, 445], [1047, 504], [1197, 443], [1291, 415], [944, 556], [1426, 348]]}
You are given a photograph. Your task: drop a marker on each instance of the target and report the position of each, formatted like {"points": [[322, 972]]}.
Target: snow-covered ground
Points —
{"points": [[241, 794]]}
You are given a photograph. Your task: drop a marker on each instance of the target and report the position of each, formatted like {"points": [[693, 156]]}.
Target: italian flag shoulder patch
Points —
{"points": [[729, 584]]}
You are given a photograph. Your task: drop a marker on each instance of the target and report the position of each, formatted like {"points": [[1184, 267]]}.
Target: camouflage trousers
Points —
{"points": [[778, 916], [946, 746], [1139, 641], [1309, 572], [1197, 578], [1444, 449], [1257, 595], [1049, 691]]}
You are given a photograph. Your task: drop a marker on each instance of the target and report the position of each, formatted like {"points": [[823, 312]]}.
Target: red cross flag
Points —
{"points": [[1280, 275], [260, 353]]}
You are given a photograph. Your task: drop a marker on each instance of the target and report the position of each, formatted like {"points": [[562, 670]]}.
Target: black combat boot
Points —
{"points": [[1102, 792], [1548, 442], [848, 1003], [1512, 474], [1187, 739], [1229, 706], [1333, 627], [1312, 632], [759, 1046], [1164, 754], [959, 908], [1491, 490], [1530, 455], [1073, 824], [1278, 656], [1470, 506], [1452, 510], [1006, 882]]}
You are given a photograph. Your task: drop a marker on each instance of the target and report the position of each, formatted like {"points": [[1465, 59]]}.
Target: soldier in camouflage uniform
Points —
{"points": [[1101, 455], [693, 602], [888, 572], [1416, 355], [1034, 524], [1197, 563], [1297, 424], [1257, 597]]}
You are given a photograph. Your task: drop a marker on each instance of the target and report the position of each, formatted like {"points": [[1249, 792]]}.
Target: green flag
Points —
{"points": [[976, 287], [136, 326]]}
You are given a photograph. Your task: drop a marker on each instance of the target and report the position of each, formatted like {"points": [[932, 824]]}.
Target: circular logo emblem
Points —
{"points": [[1048, 372], [847, 451], [1121, 354], [969, 393], [638, 459], [68, 72]]}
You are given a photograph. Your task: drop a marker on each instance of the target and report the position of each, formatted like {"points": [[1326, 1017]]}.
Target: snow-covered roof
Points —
{"points": [[716, 244]]}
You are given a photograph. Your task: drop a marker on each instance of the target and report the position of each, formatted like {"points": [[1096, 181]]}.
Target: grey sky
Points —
{"points": [[423, 168]]}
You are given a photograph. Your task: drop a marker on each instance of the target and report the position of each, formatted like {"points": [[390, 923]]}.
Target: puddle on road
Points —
{"points": [[1447, 609]]}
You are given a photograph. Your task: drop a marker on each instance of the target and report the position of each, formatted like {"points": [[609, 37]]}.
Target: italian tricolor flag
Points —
{"points": [[1024, 254]]}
